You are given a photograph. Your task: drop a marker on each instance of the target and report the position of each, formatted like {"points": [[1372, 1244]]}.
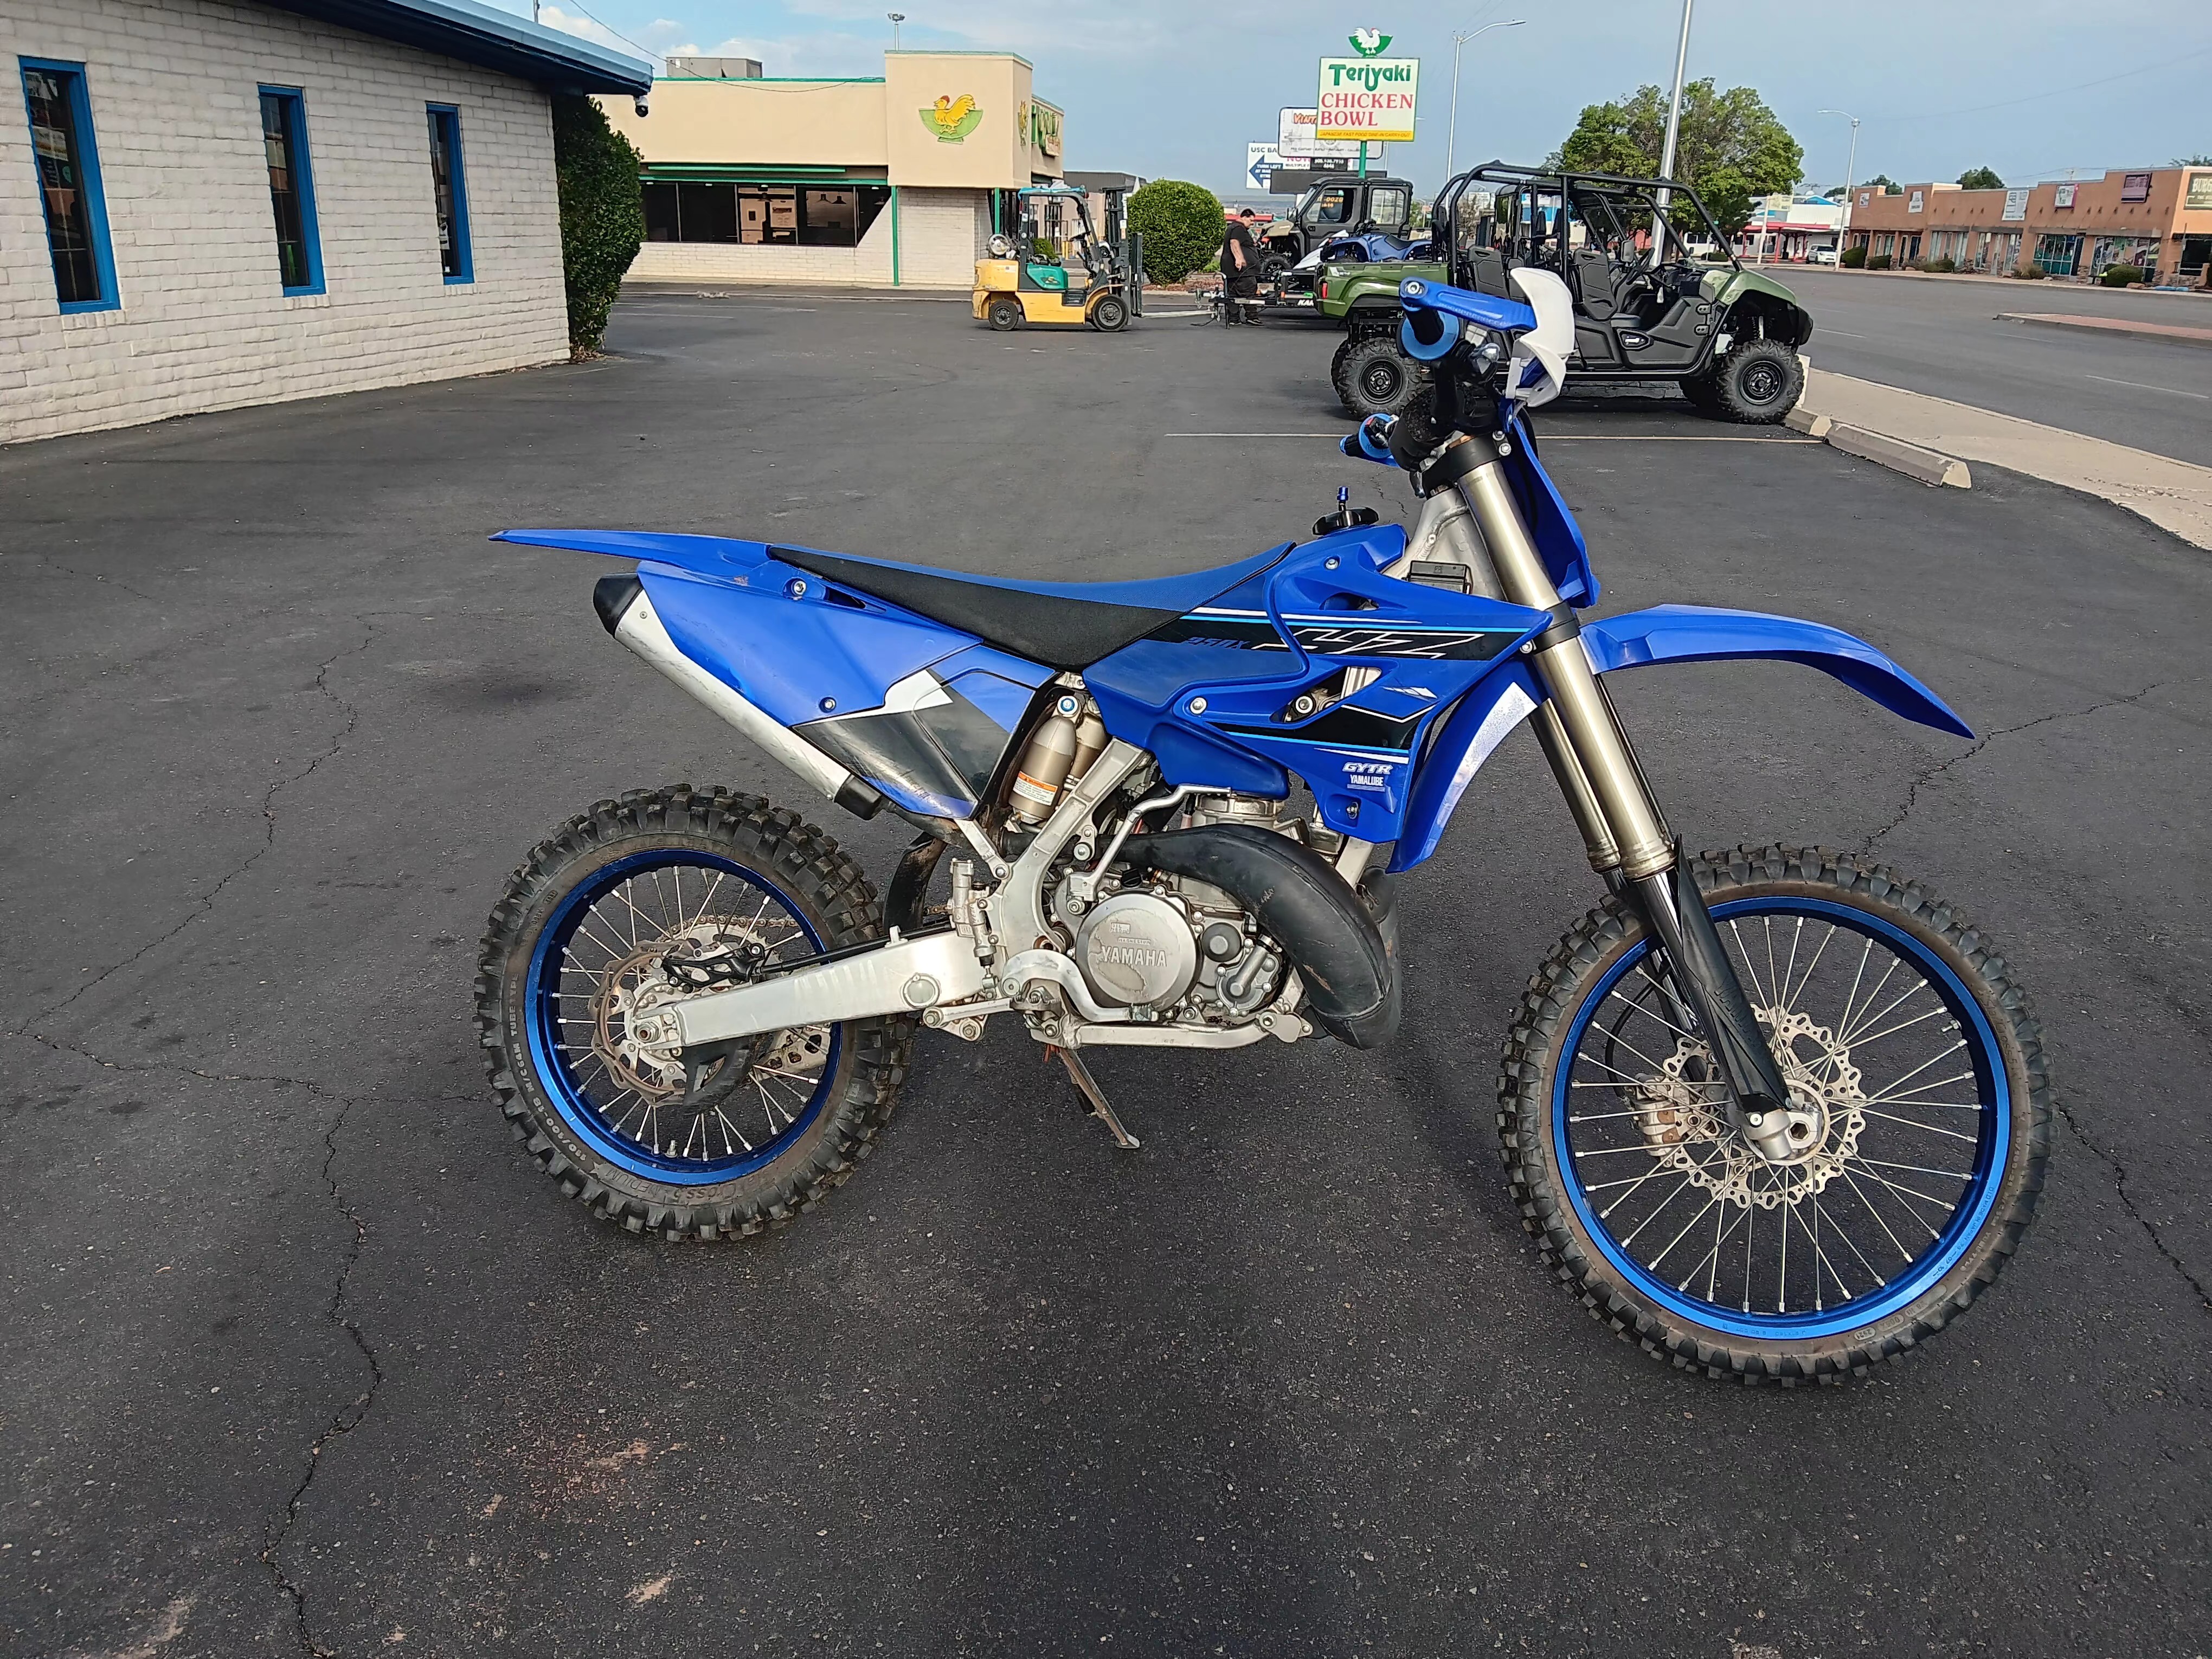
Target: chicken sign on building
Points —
{"points": [[1370, 98]]}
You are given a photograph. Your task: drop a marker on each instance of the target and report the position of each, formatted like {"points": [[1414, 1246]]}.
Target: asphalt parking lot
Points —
{"points": [[1942, 336], [304, 1358]]}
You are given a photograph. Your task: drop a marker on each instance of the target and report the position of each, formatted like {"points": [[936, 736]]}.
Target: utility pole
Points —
{"points": [[1851, 170], [1459, 40], [1674, 131]]}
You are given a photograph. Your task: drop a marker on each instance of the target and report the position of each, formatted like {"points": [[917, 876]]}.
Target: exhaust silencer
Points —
{"points": [[627, 610]]}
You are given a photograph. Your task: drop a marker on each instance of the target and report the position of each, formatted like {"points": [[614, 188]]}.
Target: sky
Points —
{"points": [[2031, 88]]}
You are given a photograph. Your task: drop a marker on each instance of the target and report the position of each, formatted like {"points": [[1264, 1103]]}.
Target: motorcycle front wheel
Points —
{"points": [[596, 934], [1899, 1030]]}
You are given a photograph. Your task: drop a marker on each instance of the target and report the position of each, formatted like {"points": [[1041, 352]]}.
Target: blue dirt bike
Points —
{"points": [[1775, 1112]]}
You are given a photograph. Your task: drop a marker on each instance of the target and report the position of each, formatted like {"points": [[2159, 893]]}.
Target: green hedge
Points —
{"points": [[1182, 225], [1940, 267], [2121, 275], [1854, 259], [1879, 262], [602, 213]]}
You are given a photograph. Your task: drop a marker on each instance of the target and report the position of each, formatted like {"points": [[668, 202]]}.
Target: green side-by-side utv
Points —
{"points": [[1648, 313]]}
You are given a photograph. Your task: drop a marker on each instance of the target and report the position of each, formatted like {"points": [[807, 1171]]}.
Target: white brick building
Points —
{"points": [[205, 204]]}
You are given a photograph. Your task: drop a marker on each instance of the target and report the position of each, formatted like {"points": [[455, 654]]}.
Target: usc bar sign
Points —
{"points": [[1368, 98]]}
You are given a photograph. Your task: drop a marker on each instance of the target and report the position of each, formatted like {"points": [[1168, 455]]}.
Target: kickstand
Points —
{"points": [[1091, 1093]]}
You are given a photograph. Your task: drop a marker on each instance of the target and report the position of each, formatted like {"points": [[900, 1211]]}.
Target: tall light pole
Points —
{"points": [[1459, 42], [1674, 129], [896, 17], [1849, 167]]}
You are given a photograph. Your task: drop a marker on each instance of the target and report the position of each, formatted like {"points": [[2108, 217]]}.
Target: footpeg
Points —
{"points": [[1091, 1093]]}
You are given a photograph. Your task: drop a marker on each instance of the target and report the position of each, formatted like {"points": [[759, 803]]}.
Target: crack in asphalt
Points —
{"points": [[53, 564], [202, 905], [2150, 1228], [2111, 1162], [350, 1416], [1929, 776]]}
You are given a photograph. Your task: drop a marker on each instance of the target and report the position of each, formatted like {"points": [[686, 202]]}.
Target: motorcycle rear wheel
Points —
{"points": [[568, 978], [1904, 1206]]}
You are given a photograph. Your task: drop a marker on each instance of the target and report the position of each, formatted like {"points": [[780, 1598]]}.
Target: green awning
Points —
{"points": [[713, 173]]}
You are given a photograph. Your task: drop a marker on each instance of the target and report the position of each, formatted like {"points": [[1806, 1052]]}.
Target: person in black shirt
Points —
{"points": [[1240, 271]]}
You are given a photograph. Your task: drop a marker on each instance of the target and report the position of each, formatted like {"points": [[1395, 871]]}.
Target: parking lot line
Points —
{"points": [[2142, 385]]}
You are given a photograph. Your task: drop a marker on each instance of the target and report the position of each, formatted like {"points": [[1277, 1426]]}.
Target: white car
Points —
{"points": [[1821, 256]]}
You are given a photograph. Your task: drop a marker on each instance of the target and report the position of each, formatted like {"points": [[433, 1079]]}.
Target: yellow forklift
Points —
{"points": [[1049, 269]]}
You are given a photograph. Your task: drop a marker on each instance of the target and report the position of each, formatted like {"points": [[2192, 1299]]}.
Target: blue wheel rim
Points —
{"points": [[1978, 1186], [557, 1060]]}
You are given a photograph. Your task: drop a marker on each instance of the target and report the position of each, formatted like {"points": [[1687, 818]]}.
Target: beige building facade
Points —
{"points": [[230, 203], [2157, 218], [890, 182]]}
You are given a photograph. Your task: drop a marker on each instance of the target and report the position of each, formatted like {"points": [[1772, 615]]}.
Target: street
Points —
{"points": [[307, 1357], [1942, 338]]}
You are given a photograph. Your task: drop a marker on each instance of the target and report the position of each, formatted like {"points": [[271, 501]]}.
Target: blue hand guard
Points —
{"points": [[1372, 441]]}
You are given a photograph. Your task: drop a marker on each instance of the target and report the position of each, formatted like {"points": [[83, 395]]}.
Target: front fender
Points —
{"points": [[1470, 734], [1693, 633]]}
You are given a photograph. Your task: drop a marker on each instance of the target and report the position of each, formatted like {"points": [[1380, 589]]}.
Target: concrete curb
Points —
{"points": [[1802, 419], [1927, 465]]}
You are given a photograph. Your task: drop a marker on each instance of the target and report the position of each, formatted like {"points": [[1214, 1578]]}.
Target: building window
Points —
{"points": [[2058, 255], [69, 185], [449, 187], [291, 190], [793, 216]]}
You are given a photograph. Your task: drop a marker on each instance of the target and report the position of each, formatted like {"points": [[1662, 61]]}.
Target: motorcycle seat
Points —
{"points": [[1061, 624]]}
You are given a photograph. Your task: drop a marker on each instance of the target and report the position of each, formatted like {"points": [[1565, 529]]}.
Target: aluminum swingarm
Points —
{"points": [[956, 979]]}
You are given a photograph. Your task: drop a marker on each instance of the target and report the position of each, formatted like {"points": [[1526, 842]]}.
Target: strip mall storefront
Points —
{"points": [[2158, 218], [887, 182]]}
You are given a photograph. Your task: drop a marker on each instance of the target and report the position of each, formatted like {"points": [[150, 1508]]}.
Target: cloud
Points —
{"points": [[654, 40]]}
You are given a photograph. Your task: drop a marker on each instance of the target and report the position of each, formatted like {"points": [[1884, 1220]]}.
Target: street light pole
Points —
{"points": [[1458, 41], [1850, 168], [1674, 129], [896, 17]]}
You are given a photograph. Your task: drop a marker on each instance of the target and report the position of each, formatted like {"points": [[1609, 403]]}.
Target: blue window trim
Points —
{"points": [[450, 115], [303, 185], [103, 254]]}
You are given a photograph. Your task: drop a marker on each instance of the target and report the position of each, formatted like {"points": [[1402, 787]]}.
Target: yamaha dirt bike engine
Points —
{"points": [[1137, 950]]}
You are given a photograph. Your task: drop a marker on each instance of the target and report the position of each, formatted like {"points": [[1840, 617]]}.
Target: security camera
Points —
{"points": [[641, 108]]}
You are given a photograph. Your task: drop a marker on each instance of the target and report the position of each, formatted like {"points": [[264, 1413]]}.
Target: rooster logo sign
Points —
{"points": [[1370, 43], [953, 118]]}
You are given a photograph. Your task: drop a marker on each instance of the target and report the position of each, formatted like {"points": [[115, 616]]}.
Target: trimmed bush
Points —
{"points": [[2029, 271], [1939, 267], [602, 213], [2121, 275], [1181, 224], [1879, 262], [1853, 258]]}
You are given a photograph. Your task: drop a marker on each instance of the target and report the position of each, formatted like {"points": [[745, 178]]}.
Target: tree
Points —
{"points": [[1980, 179], [1889, 186], [1731, 147], [2191, 161], [602, 213], [1182, 225]]}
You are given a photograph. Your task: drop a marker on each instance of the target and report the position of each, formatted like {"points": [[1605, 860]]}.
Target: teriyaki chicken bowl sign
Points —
{"points": [[1368, 98]]}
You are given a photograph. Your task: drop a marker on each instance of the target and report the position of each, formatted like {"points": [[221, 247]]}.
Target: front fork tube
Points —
{"points": [[1622, 829]]}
